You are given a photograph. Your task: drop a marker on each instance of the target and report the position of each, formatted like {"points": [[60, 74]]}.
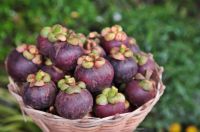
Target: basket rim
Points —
{"points": [[12, 86]]}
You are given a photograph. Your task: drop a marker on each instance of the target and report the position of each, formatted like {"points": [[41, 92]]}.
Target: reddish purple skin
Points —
{"points": [[124, 69], [108, 45], [103, 53], [44, 46], [109, 109], [65, 56], [136, 95], [18, 67], [74, 106], [133, 47], [149, 65], [96, 79], [53, 72], [41, 97]]}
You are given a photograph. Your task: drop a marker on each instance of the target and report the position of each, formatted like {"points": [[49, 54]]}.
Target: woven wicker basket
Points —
{"points": [[123, 122]]}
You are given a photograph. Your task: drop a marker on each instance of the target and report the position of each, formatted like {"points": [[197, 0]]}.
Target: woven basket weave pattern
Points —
{"points": [[123, 122]]}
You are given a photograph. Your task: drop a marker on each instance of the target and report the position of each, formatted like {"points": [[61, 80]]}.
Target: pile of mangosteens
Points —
{"points": [[99, 74]]}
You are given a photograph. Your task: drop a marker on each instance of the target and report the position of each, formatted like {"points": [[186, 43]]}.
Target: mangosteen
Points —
{"points": [[146, 64], [22, 61], [124, 64], [112, 37], [73, 101], [55, 73], [49, 36], [92, 44], [95, 71], [65, 55], [132, 45], [109, 102], [40, 91], [138, 92]]}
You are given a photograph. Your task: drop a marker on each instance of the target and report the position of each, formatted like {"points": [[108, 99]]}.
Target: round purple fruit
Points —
{"points": [[40, 91], [23, 61], [55, 73], [124, 65], [138, 92], [109, 103], [95, 71], [112, 37], [73, 101], [50, 36], [146, 64], [65, 55]]}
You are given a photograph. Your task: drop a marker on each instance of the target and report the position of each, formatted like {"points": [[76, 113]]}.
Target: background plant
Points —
{"points": [[168, 29]]}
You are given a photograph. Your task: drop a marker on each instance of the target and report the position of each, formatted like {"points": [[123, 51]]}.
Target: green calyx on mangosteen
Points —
{"points": [[110, 102], [138, 92], [70, 86]]}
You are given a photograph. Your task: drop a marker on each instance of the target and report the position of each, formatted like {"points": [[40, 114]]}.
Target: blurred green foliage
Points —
{"points": [[170, 30]]}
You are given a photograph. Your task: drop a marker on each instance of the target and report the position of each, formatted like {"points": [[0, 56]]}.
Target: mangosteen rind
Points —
{"points": [[74, 106], [40, 97], [96, 79], [18, 67]]}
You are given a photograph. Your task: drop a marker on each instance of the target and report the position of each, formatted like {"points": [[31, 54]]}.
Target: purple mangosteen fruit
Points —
{"points": [[95, 71], [73, 101], [55, 73], [109, 102], [65, 55], [92, 44], [132, 45], [40, 91], [22, 61], [112, 37], [138, 92], [146, 64], [50, 36], [124, 64]]}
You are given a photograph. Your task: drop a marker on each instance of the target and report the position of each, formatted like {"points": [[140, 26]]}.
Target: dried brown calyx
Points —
{"points": [[121, 53], [114, 33], [30, 52], [38, 79], [70, 86], [91, 60], [110, 96]]}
